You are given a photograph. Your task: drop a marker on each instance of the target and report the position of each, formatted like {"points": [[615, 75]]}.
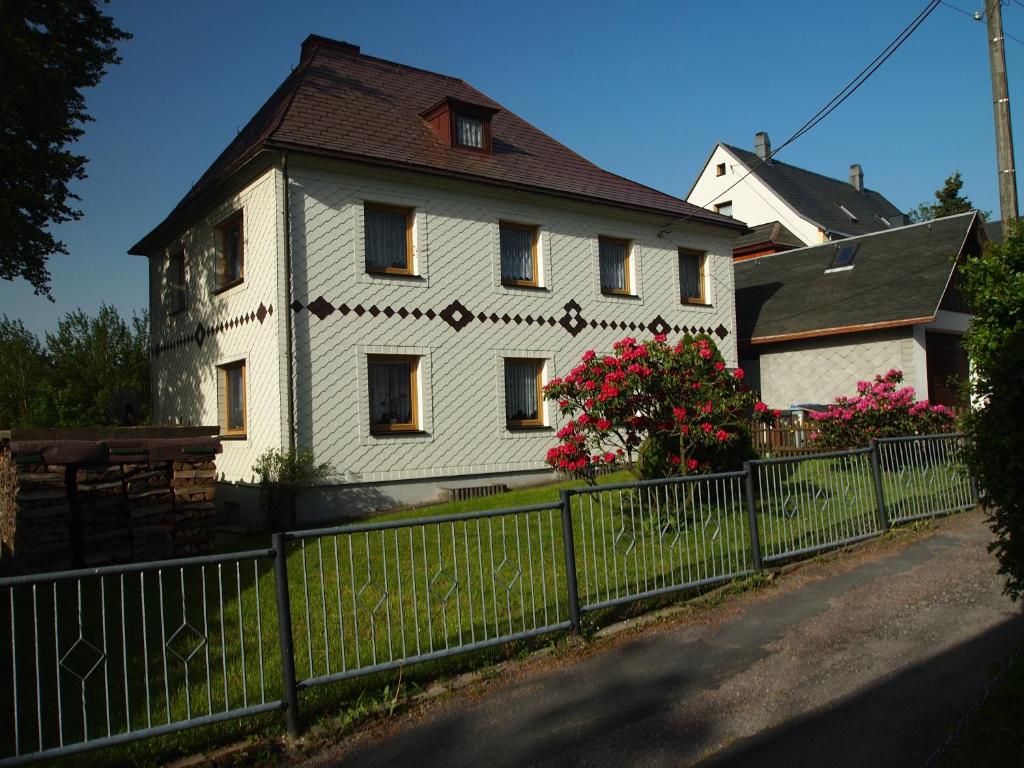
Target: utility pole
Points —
{"points": [[1001, 107]]}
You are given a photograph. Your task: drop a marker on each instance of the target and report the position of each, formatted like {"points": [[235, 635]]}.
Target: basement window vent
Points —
{"points": [[473, 492], [847, 211], [843, 259]]}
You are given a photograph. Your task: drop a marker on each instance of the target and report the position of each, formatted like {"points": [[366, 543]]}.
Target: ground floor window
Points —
{"points": [[232, 399], [393, 385], [524, 395]]}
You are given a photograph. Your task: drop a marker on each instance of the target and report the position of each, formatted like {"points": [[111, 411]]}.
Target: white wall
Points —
{"points": [[185, 372], [461, 371], [752, 201], [819, 370]]}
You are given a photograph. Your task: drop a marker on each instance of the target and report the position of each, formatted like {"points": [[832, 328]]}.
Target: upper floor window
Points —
{"points": [[461, 123], [388, 233], [230, 252], [176, 281], [394, 384], [524, 393], [613, 255], [691, 276], [231, 388], [518, 254], [724, 208], [720, 169]]}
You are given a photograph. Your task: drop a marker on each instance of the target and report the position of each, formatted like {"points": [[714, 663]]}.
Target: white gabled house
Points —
{"points": [[812, 208], [385, 266]]}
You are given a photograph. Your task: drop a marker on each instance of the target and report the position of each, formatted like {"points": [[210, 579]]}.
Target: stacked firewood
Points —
{"points": [[106, 535], [150, 511], [193, 484], [35, 517]]}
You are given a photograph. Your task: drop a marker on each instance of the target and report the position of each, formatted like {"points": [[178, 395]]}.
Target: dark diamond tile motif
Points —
{"points": [[296, 305], [261, 313], [388, 312], [593, 323], [374, 311], [641, 327], [456, 315], [494, 318], [416, 313], [321, 307], [200, 335], [481, 317], [359, 310], [506, 319], [572, 320], [344, 309], [517, 319], [658, 326], [431, 314], [721, 331]]}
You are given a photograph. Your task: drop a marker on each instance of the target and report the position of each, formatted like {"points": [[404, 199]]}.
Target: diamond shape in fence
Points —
{"points": [[624, 542], [442, 586], [185, 642], [790, 507], [820, 499], [82, 658]]}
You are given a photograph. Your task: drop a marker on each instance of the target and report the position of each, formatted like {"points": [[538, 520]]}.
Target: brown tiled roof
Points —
{"points": [[341, 103]]}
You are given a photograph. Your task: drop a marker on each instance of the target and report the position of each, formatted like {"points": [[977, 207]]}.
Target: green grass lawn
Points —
{"points": [[201, 640]]}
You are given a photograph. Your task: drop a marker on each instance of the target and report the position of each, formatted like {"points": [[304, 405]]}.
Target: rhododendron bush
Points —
{"points": [[882, 408], [660, 409]]}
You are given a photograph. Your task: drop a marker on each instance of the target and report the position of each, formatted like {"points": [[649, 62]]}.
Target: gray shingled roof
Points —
{"points": [[898, 275], [818, 197], [772, 232]]}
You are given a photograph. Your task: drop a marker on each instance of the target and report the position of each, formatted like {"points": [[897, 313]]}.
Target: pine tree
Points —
{"points": [[949, 201]]}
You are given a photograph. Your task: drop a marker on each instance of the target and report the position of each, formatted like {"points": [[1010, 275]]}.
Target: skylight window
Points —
{"points": [[847, 211], [844, 257]]}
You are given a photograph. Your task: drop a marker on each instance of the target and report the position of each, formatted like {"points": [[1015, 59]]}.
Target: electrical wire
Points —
{"points": [[848, 90], [981, 17]]}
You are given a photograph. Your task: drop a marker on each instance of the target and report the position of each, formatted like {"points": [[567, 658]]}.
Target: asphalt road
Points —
{"points": [[867, 659]]}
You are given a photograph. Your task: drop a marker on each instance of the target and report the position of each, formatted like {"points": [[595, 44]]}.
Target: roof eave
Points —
{"points": [[838, 330]]}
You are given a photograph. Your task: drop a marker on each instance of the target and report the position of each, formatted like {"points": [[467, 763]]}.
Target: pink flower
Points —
{"points": [[761, 408], [722, 435], [719, 366], [661, 337], [706, 353], [706, 426], [738, 373], [692, 464], [609, 458], [589, 355], [604, 424], [679, 413]]}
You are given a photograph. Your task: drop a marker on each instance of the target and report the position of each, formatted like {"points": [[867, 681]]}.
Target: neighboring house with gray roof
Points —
{"points": [[813, 321], [810, 207]]}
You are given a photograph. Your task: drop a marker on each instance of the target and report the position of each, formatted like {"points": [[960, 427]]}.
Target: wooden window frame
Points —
{"points": [[720, 169], [225, 430], [528, 423], [410, 224], [236, 219], [627, 259], [534, 231], [702, 299], [177, 255], [486, 133], [719, 206], [414, 398]]}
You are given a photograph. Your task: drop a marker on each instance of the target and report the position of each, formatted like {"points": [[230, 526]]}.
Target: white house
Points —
{"points": [[813, 321], [801, 204], [385, 266]]}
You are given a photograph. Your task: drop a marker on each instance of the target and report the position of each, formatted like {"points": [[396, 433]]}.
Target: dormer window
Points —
{"points": [[469, 131], [461, 124], [843, 259], [848, 212]]}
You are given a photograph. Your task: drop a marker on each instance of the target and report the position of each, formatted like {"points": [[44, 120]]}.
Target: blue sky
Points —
{"points": [[643, 89]]}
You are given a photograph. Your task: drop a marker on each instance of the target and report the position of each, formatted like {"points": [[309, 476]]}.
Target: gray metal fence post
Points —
{"points": [[755, 534], [290, 691], [876, 472], [569, 542]]}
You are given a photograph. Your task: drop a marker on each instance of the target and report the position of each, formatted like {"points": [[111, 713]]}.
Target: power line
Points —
{"points": [[980, 16], [848, 90]]}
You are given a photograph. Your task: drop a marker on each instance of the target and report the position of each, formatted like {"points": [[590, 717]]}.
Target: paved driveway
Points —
{"points": [[867, 659]]}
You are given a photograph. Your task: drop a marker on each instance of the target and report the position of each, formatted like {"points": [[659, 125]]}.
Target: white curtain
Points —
{"points": [[469, 131], [233, 248], [236, 399], [390, 395], [520, 391], [516, 254], [613, 265], [689, 275], [385, 233]]}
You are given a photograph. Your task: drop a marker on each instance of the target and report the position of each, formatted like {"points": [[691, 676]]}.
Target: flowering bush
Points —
{"points": [[882, 408], [677, 409]]}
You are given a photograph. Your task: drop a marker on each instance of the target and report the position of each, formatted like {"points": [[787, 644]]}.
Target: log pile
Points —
{"points": [[54, 517]]}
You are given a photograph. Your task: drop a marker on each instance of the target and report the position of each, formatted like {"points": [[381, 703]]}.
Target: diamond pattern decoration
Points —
{"points": [[442, 586], [624, 541], [658, 326], [321, 307], [721, 331], [261, 313], [790, 508], [200, 335], [82, 658], [185, 642], [456, 315], [572, 320]]}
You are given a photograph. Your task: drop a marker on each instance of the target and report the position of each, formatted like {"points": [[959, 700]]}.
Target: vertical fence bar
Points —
{"points": [[568, 542], [876, 472], [289, 692], [755, 537]]}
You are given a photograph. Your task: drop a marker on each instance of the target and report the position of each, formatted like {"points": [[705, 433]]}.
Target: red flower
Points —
{"points": [[589, 355], [706, 353], [609, 457], [706, 426], [738, 373], [707, 407], [722, 435], [603, 424], [760, 407], [674, 460], [679, 413], [719, 366], [661, 337], [692, 464]]}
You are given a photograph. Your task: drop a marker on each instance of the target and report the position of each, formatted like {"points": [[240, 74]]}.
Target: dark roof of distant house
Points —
{"points": [[898, 277], [773, 232], [818, 197], [341, 103], [994, 230]]}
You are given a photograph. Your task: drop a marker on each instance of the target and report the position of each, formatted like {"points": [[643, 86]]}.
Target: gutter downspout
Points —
{"points": [[289, 342]]}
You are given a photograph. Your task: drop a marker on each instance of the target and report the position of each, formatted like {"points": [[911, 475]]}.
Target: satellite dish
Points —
{"points": [[125, 406]]}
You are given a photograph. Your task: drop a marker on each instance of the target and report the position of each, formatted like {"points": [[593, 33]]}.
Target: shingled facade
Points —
{"points": [[278, 280]]}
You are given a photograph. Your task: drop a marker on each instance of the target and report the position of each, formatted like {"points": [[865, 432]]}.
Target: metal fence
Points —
{"points": [[104, 656]]}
